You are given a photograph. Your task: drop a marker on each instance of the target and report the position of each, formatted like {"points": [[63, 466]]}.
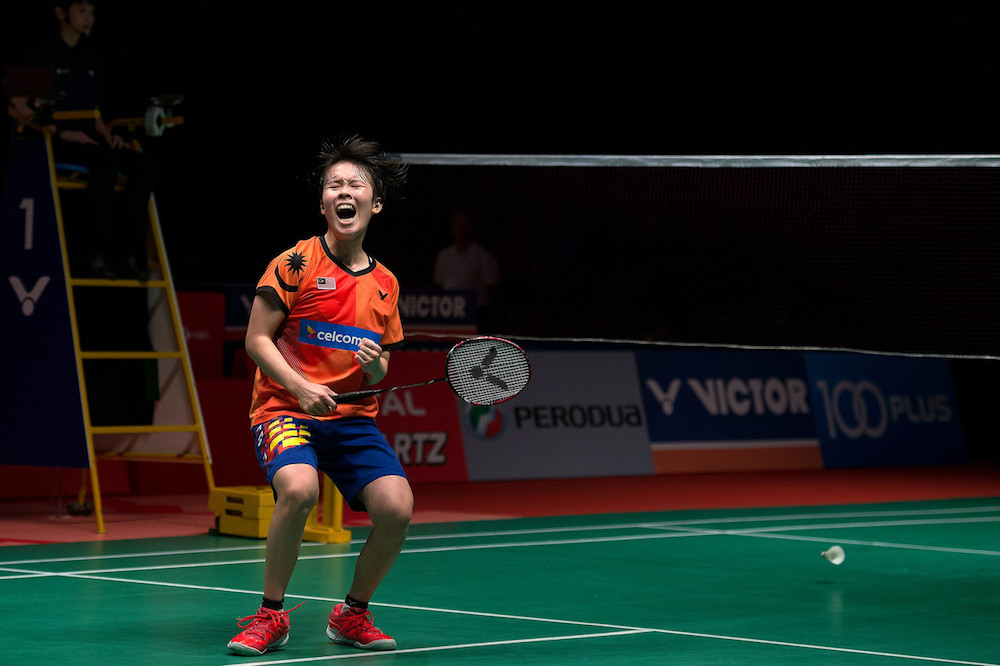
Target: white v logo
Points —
{"points": [[28, 298], [665, 398]]}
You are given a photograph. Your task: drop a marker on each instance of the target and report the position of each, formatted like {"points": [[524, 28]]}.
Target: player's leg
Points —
{"points": [[296, 488], [389, 502], [284, 450]]}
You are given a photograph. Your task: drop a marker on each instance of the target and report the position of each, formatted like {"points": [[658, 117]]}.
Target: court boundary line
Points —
{"points": [[682, 527], [647, 524], [618, 629], [16, 573], [688, 529]]}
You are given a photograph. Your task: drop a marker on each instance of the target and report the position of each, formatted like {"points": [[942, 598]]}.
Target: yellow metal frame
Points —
{"points": [[248, 510], [325, 523], [180, 354]]}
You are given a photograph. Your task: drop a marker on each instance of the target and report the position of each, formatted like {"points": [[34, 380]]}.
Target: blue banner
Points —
{"points": [[876, 410], [711, 396], [42, 412]]}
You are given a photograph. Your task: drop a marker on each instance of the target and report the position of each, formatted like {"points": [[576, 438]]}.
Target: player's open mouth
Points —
{"points": [[345, 211]]}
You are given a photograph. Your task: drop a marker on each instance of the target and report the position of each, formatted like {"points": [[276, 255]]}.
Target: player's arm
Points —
{"points": [[373, 360], [265, 317]]}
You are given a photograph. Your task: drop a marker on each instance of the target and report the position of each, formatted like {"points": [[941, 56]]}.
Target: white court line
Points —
{"points": [[890, 523], [440, 648], [687, 532], [616, 630], [521, 532], [28, 573], [878, 544]]}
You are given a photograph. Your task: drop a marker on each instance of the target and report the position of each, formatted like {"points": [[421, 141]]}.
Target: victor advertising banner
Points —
{"points": [[728, 410]]}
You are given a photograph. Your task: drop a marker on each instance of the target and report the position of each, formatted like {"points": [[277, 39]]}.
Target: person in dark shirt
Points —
{"points": [[112, 243]]}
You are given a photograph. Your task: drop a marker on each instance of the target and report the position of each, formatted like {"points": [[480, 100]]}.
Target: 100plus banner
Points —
{"points": [[884, 411]]}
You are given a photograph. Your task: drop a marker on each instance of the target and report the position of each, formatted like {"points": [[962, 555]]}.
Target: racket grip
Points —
{"points": [[354, 396]]}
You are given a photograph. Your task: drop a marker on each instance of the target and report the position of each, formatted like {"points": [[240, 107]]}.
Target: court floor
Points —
{"points": [[920, 584]]}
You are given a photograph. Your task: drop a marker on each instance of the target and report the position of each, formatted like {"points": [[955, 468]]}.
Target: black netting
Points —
{"points": [[900, 259]]}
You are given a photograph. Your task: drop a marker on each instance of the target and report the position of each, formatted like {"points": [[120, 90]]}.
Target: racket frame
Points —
{"points": [[354, 396]]}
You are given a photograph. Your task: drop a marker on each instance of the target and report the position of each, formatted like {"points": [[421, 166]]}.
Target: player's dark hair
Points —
{"points": [[387, 175], [66, 5]]}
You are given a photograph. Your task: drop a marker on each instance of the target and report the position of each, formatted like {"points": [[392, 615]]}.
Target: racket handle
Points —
{"points": [[354, 396]]}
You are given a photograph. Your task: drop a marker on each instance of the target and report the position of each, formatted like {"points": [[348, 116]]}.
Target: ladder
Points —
{"points": [[162, 281]]}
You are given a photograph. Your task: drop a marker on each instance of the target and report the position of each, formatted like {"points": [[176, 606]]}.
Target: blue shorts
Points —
{"points": [[352, 452]]}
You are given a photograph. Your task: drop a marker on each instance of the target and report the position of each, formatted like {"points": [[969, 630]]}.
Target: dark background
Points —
{"points": [[263, 84]]}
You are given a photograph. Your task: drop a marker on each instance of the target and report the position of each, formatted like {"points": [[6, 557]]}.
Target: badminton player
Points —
{"points": [[323, 321]]}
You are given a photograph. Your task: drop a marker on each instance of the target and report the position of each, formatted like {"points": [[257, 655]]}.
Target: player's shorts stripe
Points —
{"points": [[280, 435]]}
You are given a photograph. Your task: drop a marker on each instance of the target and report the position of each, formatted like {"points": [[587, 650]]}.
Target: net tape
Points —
{"points": [[700, 161]]}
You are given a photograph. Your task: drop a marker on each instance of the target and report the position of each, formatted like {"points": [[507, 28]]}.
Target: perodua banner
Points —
{"points": [[581, 415]]}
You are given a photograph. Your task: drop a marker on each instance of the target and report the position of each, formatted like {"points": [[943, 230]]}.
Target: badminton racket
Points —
{"points": [[483, 370]]}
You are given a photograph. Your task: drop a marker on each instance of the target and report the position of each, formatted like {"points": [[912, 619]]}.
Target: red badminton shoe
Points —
{"points": [[266, 630], [353, 626]]}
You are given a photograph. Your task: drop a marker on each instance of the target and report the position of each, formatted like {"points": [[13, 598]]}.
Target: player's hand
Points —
{"points": [[316, 399], [368, 355]]}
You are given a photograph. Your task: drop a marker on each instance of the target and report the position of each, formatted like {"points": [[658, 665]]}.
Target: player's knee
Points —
{"points": [[394, 512], [398, 517], [300, 497]]}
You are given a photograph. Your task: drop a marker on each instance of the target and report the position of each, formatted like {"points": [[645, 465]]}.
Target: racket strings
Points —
{"points": [[487, 370]]}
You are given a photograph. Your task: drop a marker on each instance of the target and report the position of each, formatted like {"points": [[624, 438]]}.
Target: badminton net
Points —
{"points": [[895, 254]]}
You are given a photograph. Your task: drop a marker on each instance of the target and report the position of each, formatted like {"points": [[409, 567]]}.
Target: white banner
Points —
{"points": [[581, 415]]}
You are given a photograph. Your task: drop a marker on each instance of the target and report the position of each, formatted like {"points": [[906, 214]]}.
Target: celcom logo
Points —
{"points": [[485, 421], [333, 336], [859, 409]]}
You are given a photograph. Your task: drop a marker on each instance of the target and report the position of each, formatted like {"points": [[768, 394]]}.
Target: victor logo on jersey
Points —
{"points": [[334, 336]]}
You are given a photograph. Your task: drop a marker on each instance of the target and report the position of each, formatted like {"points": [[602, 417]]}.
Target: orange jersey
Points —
{"points": [[328, 310]]}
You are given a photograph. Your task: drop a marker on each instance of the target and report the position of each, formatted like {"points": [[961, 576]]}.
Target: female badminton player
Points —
{"points": [[323, 321]]}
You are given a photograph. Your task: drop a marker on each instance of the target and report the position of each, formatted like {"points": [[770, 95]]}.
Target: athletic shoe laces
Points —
{"points": [[363, 621], [264, 622], [357, 622]]}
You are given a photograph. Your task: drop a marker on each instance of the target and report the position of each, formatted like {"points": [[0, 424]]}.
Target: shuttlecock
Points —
{"points": [[834, 555]]}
